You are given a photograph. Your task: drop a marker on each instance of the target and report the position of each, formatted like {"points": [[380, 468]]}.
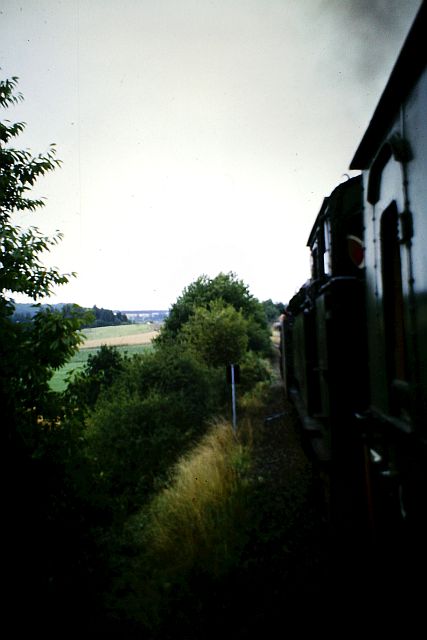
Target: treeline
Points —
{"points": [[94, 317], [104, 318]]}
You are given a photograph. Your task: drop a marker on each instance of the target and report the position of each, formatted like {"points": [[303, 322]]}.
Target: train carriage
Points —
{"points": [[393, 159], [324, 333], [355, 335]]}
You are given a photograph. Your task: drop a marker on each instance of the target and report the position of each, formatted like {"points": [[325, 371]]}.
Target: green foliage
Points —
{"points": [[127, 422], [156, 408], [152, 408], [218, 333], [174, 369], [31, 350], [102, 368], [259, 339], [226, 287], [21, 268], [131, 440], [253, 370], [273, 309], [55, 337], [37, 444], [63, 376], [106, 318], [105, 364]]}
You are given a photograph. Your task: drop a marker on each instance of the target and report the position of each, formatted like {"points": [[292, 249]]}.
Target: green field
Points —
{"points": [[78, 361], [103, 333]]}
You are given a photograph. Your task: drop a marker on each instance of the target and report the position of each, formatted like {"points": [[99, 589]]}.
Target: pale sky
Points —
{"points": [[197, 136]]}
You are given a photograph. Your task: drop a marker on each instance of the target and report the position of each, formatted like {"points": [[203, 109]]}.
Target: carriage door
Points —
{"points": [[394, 331]]}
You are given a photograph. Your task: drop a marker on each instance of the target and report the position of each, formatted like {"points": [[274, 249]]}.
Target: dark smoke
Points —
{"points": [[369, 33]]}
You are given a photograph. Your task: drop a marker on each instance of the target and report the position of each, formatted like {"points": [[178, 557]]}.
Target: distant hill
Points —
{"points": [[25, 311]]}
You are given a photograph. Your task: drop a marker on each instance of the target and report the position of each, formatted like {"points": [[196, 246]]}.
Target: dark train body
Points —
{"points": [[354, 337]]}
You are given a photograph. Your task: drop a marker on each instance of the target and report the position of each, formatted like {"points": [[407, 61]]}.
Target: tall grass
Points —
{"points": [[193, 530], [192, 523]]}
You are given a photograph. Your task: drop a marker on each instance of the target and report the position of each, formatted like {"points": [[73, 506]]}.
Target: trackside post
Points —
{"points": [[233, 378]]}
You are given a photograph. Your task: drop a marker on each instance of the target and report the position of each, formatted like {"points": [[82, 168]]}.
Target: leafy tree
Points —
{"points": [[273, 309], [29, 350], [219, 334], [38, 499], [231, 291]]}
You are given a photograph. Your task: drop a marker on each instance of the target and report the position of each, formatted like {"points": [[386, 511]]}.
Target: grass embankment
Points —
{"points": [[128, 339], [235, 538], [201, 506], [190, 535]]}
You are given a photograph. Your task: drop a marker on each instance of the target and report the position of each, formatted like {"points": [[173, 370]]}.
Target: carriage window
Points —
{"points": [[327, 257], [321, 249]]}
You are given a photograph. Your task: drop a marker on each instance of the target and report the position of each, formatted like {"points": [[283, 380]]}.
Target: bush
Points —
{"points": [[150, 416], [253, 370], [101, 370]]}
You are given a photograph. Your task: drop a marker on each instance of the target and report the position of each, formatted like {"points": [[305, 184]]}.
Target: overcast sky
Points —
{"points": [[197, 136]]}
